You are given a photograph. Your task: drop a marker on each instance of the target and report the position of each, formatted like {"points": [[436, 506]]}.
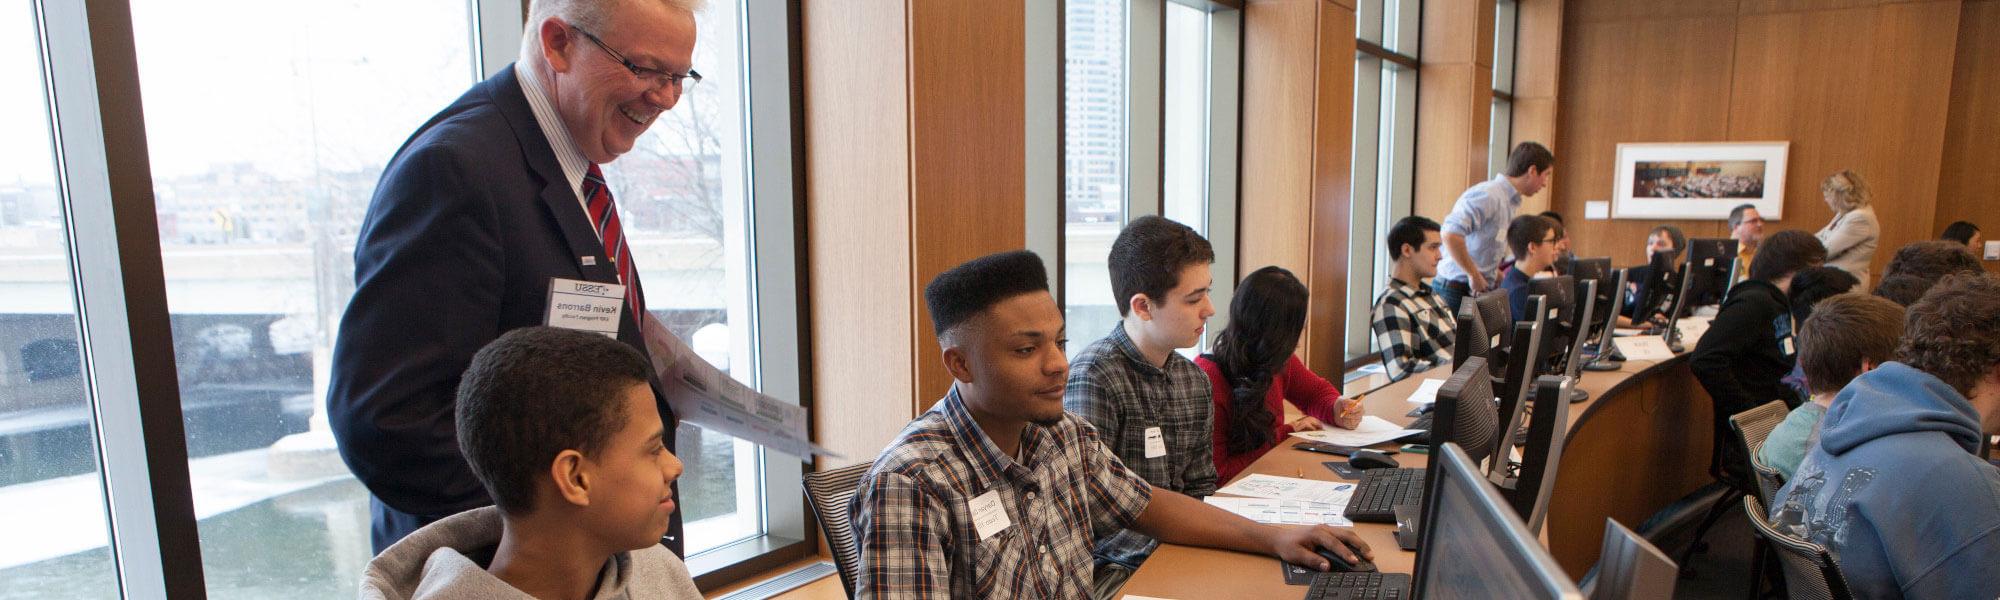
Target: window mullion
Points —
{"points": [[127, 344]]}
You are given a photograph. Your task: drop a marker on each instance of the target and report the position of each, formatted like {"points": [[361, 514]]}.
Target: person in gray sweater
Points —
{"points": [[560, 427]]}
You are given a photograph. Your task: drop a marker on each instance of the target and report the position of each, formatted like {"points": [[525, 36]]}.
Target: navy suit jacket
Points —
{"points": [[471, 220]]}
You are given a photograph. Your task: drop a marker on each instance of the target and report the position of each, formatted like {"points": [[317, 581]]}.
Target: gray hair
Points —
{"points": [[591, 15], [1847, 190]]}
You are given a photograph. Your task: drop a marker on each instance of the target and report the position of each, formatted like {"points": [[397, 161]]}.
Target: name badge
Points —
{"points": [[1156, 443], [1786, 345], [585, 306], [989, 514]]}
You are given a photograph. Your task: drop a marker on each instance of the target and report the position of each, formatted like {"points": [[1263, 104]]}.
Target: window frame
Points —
{"points": [[90, 69], [1145, 133], [1386, 86]]}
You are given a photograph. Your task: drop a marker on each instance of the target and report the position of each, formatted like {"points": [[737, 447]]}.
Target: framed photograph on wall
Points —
{"points": [[1699, 180]]}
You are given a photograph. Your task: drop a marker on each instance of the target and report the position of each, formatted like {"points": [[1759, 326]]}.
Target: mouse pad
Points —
{"points": [[1343, 470], [1297, 575]]}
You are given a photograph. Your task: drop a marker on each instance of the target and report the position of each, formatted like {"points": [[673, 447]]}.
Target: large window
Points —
{"points": [[1184, 185], [1506, 26], [1385, 117], [265, 147], [1150, 97], [1094, 161], [52, 503]]}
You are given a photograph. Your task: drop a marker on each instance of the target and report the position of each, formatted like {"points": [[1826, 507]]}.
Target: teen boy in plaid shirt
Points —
{"points": [[1411, 324], [996, 492]]}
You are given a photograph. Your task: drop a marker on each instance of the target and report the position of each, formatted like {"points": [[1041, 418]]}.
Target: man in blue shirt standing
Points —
{"points": [[1474, 232]]}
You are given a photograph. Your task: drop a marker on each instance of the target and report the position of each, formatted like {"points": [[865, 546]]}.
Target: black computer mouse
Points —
{"points": [[1341, 565], [1370, 459]]}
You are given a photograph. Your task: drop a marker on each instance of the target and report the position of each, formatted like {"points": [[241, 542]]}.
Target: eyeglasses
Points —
{"points": [[651, 76]]}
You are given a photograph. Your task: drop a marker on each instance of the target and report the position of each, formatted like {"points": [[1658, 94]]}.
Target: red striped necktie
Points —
{"points": [[604, 218]]}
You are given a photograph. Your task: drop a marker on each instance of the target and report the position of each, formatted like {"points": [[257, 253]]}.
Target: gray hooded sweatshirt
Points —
{"points": [[446, 561]]}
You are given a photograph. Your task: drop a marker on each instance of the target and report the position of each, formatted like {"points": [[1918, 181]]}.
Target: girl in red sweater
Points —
{"points": [[1253, 371]]}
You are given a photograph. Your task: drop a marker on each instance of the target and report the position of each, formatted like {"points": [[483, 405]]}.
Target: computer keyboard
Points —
{"points": [[1423, 422], [1380, 490], [1358, 586]]}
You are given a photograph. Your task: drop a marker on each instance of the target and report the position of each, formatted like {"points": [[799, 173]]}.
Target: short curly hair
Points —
{"points": [[1953, 333], [535, 392]]}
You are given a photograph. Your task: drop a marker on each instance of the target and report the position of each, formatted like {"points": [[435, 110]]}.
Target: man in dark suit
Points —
{"points": [[476, 218]]}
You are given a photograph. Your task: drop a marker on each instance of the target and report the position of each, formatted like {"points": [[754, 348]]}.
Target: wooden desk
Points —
{"points": [[1639, 443]]}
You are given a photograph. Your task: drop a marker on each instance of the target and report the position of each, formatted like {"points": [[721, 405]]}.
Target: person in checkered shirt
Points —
{"points": [[1412, 327], [996, 492]]}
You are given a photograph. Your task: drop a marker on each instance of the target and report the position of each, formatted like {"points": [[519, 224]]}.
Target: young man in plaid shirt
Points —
{"points": [[996, 492], [1152, 406], [1411, 324]]}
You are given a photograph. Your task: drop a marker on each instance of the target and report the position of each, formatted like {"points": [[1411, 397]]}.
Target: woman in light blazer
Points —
{"points": [[1850, 238]]}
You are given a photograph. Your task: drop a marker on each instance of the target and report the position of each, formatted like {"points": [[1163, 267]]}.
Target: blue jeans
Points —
{"points": [[1452, 291]]}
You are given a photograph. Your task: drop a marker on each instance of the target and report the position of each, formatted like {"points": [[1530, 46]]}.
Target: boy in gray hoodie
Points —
{"points": [[560, 427], [1895, 488]]}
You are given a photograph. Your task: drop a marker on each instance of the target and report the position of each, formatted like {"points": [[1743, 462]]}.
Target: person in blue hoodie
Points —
{"points": [[1896, 488]]}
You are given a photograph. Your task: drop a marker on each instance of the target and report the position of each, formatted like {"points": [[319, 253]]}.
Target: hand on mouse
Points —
{"points": [[1296, 545]]}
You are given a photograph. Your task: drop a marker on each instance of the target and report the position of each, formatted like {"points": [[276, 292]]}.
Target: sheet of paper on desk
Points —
{"points": [[1644, 347], [1283, 512], [1692, 329], [703, 395], [1259, 485], [1372, 430], [1427, 392]]}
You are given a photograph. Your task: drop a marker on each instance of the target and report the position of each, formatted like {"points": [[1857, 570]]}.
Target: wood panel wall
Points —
{"points": [[1969, 180], [1852, 84], [1298, 107], [1454, 101], [1537, 77], [895, 194]]}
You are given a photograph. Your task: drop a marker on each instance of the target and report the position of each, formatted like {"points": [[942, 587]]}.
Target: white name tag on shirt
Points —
{"points": [[585, 306], [1786, 345], [1156, 443], [989, 514]]}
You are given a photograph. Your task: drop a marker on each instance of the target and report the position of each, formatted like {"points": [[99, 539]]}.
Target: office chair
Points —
{"points": [[1748, 429], [829, 492], [1810, 571], [1752, 427]]}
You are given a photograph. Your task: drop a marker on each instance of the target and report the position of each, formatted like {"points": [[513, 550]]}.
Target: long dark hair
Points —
{"points": [[1265, 319]]}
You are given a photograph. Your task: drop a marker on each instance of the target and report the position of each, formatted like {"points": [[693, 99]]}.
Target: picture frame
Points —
{"points": [[1701, 180]]}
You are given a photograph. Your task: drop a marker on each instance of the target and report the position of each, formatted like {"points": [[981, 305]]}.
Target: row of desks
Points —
{"points": [[1640, 442]]}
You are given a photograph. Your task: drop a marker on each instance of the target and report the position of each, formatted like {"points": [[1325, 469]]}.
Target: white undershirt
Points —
{"points": [[573, 163]]}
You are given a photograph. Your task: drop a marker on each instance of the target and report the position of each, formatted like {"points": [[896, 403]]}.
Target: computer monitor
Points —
{"points": [[1590, 269], [1464, 411], [1656, 291], [1631, 568], [1711, 262], [1499, 315], [1677, 309], [1514, 388], [1474, 546], [1470, 338], [1562, 299], [1606, 356], [1548, 426], [1573, 360]]}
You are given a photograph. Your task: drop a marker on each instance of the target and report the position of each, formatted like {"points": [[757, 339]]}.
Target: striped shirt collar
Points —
{"points": [[572, 160]]}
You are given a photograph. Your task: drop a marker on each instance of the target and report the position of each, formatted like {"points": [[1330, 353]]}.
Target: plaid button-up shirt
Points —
{"points": [[1412, 328], [1112, 386], [914, 526]]}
